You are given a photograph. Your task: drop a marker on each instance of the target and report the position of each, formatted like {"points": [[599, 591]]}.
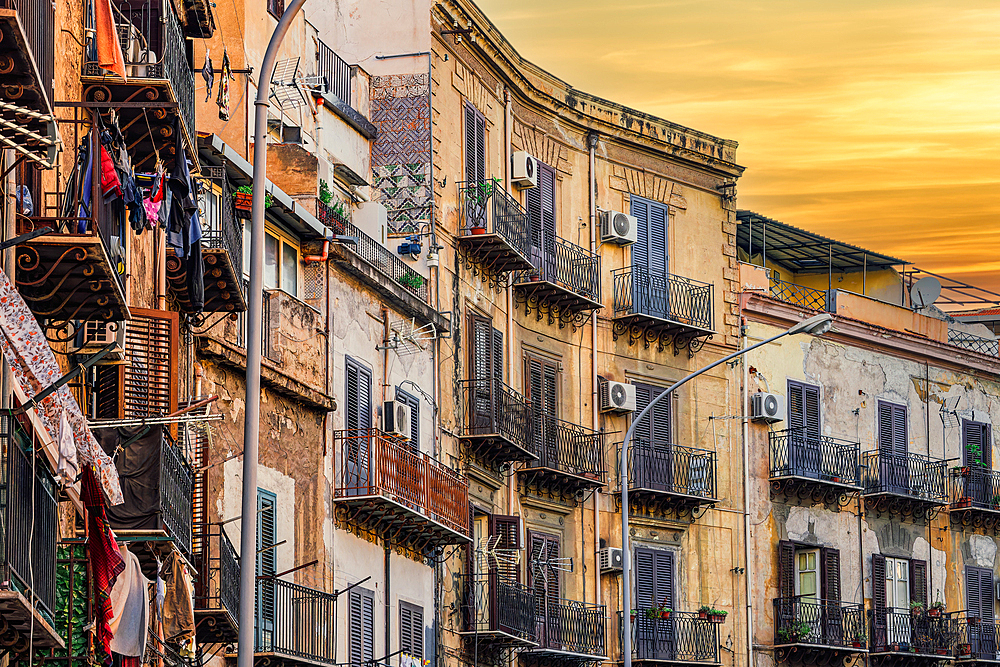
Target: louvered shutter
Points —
{"points": [[359, 396], [414, 404], [411, 629], [918, 581], [810, 404], [542, 378], [481, 350], [361, 626], [536, 577], [266, 565], [475, 144], [533, 205], [553, 585], [786, 569], [986, 594], [973, 594], [899, 439], [658, 219], [640, 249], [881, 621], [830, 573], [665, 578], [507, 530], [655, 427], [547, 189], [796, 411], [645, 578], [145, 386], [498, 355], [976, 444], [885, 439]]}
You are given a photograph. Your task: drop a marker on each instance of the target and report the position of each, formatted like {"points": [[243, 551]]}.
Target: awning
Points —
{"points": [[34, 368]]}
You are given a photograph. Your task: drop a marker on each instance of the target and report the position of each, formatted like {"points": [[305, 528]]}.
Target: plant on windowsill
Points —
{"points": [[717, 616]]}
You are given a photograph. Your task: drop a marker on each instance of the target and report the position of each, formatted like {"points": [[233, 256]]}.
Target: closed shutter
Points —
{"points": [[266, 563], [414, 404], [359, 396], [640, 249], [543, 575], [507, 533], [830, 573], [542, 378], [145, 386], [977, 445], [655, 427], [892, 431], [360, 626], [918, 581], [979, 592], [650, 249], [786, 569], [540, 203], [411, 629], [804, 408], [654, 578], [475, 144]]}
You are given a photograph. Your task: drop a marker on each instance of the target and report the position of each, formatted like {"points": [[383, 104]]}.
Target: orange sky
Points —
{"points": [[874, 123]]}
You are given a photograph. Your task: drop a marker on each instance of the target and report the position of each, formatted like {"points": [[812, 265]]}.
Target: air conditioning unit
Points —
{"points": [[765, 407], [617, 397], [396, 419], [610, 559], [618, 227], [91, 337], [523, 170]]}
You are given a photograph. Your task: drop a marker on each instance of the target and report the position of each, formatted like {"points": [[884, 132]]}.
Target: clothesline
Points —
{"points": [[153, 421]]}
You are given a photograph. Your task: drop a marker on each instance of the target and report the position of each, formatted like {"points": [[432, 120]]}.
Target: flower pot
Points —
{"points": [[965, 649], [242, 201], [933, 613], [702, 615], [476, 231], [716, 618], [856, 644], [836, 480], [894, 647], [535, 278], [972, 620], [942, 651], [631, 616]]}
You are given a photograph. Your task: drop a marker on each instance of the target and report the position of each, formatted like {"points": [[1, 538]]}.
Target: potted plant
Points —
{"points": [[665, 612], [632, 614], [972, 620], [935, 609], [964, 501], [965, 649], [703, 612], [859, 640], [411, 280], [916, 608], [243, 201], [653, 613], [717, 616], [894, 647], [479, 194]]}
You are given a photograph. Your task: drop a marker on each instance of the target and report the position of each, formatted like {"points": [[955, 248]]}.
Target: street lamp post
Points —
{"points": [[816, 325], [255, 302]]}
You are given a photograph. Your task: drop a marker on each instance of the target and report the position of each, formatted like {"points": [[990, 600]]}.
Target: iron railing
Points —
{"points": [[570, 626], [335, 71], [975, 486], [374, 464], [498, 604], [487, 208], [903, 631], [796, 453], [28, 547], [567, 447], [496, 409], [567, 265], [219, 577], [223, 229], [299, 622], [38, 20], [176, 494], [976, 639], [807, 297], [658, 466], [819, 622], [640, 291], [153, 44], [681, 637], [374, 253], [911, 475], [987, 346]]}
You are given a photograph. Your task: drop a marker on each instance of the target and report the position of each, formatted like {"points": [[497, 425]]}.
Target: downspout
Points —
{"points": [[388, 602], [508, 129], [746, 494], [595, 414]]}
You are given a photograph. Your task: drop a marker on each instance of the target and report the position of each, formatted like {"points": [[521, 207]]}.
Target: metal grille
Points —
{"points": [[568, 265], [223, 229], [487, 205], [823, 622], [911, 475], [807, 297], [572, 626], [38, 19], [335, 72], [495, 408], [302, 624], [798, 453], [568, 447], [973, 342], [900, 631], [681, 637], [641, 291], [176, 487], [497, 604], [670, 468], [314, 279]]}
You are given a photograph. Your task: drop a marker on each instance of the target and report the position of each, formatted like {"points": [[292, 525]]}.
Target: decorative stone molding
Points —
{"points": [[542, 146]]}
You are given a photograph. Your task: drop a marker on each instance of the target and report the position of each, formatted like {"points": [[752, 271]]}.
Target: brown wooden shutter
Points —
{"points": [[508, 531], [830, 573], [878, 582], [149, 379], [786, 569], [918, 581], [498, 355], [481, 349], [475, 144]]}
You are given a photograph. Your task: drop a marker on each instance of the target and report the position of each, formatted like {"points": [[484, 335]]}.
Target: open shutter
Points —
{"points": [[786, 569], [150, 378], [977, 446], [497, 355], [918, 581], [878, 581], [266, 564], [830, 574]]}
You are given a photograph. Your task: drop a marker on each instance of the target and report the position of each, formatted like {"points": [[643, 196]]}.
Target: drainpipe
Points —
{"points": [[508, 129], [746, 494], [595, 414], [322, 257], [388, 602]]}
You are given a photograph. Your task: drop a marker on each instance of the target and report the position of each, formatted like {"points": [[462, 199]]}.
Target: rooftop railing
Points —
{"points": [[980, 344], [807, 297]]}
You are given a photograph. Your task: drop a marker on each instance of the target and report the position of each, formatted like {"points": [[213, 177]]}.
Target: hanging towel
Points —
{"points": [[130, 608], [68, 467], [208, 73], [178, 600], [227, 76], [106, 561], [109, 49]]}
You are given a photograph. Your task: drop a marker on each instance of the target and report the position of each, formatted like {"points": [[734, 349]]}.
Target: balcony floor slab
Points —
{"points": [[223, 289], [665, 332], [18, 615], [496, 447], [558, 482], [397, 521], [493, 253], [215, 626]]}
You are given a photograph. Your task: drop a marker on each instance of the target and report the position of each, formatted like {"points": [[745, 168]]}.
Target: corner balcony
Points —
{"points": [[296, 625], [901, 637], [978, 641], [683, 638], [564, 283], [813, 469], [500, 612], [497, 426], [904, 485], [495, 233], [656, 307], [217, 591], [975, 497], [818, 632], [570, 458], [669, 479], [568, 631], [398, 494], [159, 86]]}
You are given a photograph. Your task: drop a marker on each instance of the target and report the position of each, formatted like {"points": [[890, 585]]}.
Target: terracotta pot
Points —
{"points": [[942, 651], [477, 231], [856, 644], [934, 613], [664, 615], [702, 615], [965, 649]]}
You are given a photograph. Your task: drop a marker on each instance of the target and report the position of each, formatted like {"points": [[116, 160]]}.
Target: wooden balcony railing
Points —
{"points": [[390, 487], [498, 424], [499, 607], [682, 637]]}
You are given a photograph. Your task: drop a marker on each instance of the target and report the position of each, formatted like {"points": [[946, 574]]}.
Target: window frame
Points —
{"points": [[283, 239]]}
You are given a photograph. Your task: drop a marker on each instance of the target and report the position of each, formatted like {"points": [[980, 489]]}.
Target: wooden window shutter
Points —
{"points": [[979, 592], [498, 355], [147, 385], [645, 578], [796, 418], [892, 431], [986, 593], [830, 574], [414, 404], [885, 440], [665, 578], [977, 446], [507, 530], [547, 189], [360, 626], [359, 396], [411, 629], [266, 559], [650, 249], [481, 350], [811, 404], [878, 581], [655, 427], [786, 569], [543, 578], [640, 249], [900, 446], [804, 408], [918, 581], [475, 144]]}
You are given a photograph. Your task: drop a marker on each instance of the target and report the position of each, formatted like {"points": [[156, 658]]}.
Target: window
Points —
{"points": [[486, 351], [411, 630], [806, 453], [544, 565], [896, 582], [655, 428], [475, 144], [414, 404], [358, 414], [807, 575], [979, 593], [281, 260], [808, 571], [540, 203], [893, 472], [266, 566], [650, 249], [977, 445], [803, 408], [541, 378], [654, 578], [276, 8], [360, 626]]}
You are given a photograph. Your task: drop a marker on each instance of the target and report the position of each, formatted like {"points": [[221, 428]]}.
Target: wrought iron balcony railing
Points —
{"points": [[667, 468], [565, 281], [495, 229], [976, 638], [681, 637], [499, 606], [37, 20], [569, 626], [176, 491], [910, 475], [566, 453], [295, 621], [975, 488], [987, 346], [903, 631], [642, 292], [335, 71], [498, 421], [218, 585], [829, 623], [807, 297], [797, 453]]}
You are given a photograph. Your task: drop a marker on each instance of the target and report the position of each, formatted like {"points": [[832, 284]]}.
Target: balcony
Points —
{"points": [[975, 497], [27, 553], [669, 479], [818, 632], [497, 426], [296, 625], [567, 631], [652, 306], [902, 637], [217, 590], [563, 283], [397, 493], [500, 612], [806, 297], [570, 458], [814, 469], [978, 641], [988, 346], [907, 485], [495, 233], [681, 639], [160, 83]]}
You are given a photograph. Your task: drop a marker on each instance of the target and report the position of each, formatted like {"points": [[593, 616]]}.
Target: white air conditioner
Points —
{"points": [[765, 407], [618, 227], [617, 397], [610, 559], [396, 419], [91, 337], [523, 170]]}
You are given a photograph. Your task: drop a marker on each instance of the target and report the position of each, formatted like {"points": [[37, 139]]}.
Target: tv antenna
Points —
{"points": [[288, 86], [406, 337]]}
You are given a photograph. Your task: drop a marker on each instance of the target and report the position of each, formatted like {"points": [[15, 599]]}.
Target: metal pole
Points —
{"points": [[623, 463], [251, 427]]}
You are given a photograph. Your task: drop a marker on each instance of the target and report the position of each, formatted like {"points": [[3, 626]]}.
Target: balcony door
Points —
{"points": [[809, 595], [540, 202], [655, 638], [805, 450], [650, 261], [544, 569], [542, 389], [652, 459], [265, 618], [893, 451], [896, 582], [486, 361], [979, 603], [977, 453], [357, 419]]}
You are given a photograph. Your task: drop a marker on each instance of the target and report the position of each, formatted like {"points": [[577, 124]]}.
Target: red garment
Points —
{"points": [[106, 562], [110, 185]]}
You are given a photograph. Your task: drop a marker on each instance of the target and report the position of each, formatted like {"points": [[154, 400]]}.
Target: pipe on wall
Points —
{"points": [[748, 569], [508, 129], [592, 139]]}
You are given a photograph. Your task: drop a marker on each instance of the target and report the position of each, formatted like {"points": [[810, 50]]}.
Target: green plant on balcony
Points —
{"points": [[859, 639], [325, 194], [243, 195], [936, 609], [412, 281], [794, 632], [916, 608]]}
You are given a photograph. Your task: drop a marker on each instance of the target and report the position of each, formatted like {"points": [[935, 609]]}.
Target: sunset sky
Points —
{"points": [[874, 123]]}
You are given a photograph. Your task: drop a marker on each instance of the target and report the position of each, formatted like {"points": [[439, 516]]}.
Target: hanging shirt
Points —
{"points": [[227, 76], [106, 562], [130, 608]]}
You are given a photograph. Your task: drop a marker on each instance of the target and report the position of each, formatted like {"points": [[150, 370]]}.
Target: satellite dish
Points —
{"points": [[925, 291]]}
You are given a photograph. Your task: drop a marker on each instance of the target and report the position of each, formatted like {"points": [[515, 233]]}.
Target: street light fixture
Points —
{"points": [[816, 325]]}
